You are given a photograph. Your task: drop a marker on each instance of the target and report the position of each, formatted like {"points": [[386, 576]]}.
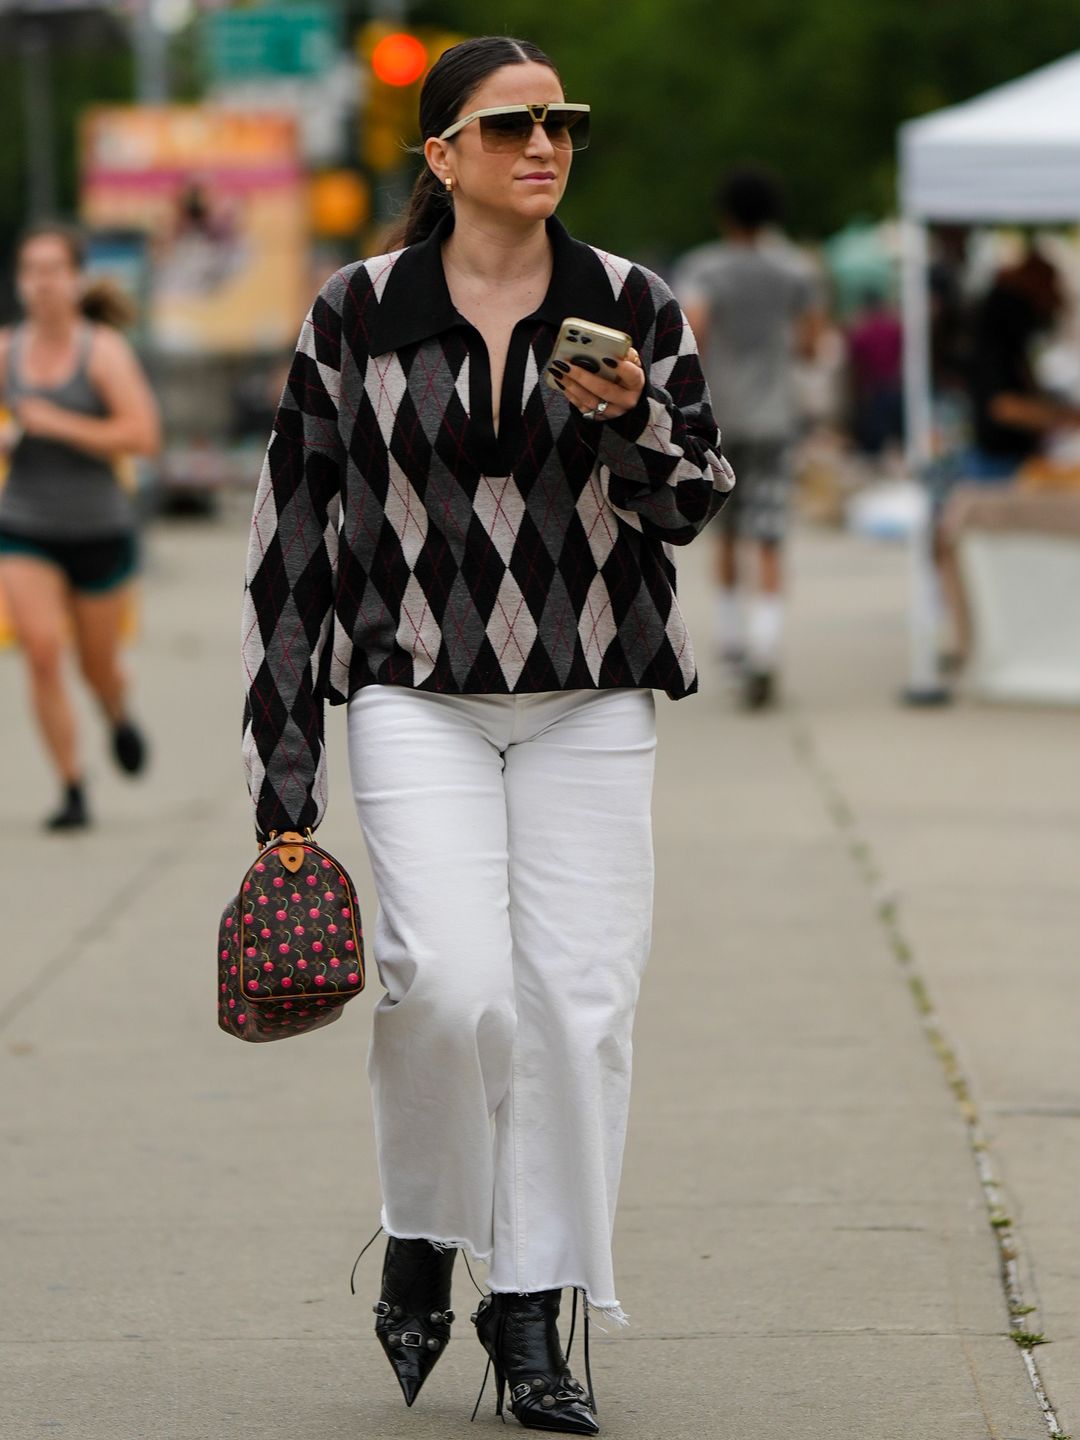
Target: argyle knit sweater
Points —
{"points": [[398, 539]]}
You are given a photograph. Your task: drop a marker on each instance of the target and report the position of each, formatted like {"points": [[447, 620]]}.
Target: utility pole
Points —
{"points": [[38, 122]]}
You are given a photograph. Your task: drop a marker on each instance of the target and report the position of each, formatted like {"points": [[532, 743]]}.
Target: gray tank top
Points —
{"points": [[55, 491]]}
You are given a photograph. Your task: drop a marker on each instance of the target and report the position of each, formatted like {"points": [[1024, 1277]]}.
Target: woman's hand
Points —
{"points": [[614, 385], [10, 435], [41, 418], [130, 425]]}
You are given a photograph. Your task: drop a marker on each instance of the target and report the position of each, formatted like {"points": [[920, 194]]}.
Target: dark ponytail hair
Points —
{"points": [[456, 75], [102, 302]]}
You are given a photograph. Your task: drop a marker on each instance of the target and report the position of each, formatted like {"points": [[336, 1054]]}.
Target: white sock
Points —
{"points": [[764, 630], [730, 627]]}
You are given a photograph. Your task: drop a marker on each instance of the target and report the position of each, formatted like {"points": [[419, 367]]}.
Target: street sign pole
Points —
{"points": [[151, 55]]}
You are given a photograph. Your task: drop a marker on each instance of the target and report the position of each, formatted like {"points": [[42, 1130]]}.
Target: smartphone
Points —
{"points": [[582, 340]]}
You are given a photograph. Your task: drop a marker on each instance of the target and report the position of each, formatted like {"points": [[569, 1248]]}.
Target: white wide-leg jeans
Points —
{"points": [[510, 840]]}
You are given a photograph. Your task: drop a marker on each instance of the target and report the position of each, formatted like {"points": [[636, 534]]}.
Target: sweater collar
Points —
{"points": [[416, 303]]}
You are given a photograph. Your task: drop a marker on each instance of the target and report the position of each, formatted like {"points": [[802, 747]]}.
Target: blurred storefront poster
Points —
{"points": [[221, 197]]}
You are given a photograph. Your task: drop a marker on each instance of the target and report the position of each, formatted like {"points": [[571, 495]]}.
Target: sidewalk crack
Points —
{"points": [[1023, 1331]]}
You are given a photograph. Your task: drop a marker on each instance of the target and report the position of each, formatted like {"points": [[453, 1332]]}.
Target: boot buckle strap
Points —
{"points": [[413, 1339]]}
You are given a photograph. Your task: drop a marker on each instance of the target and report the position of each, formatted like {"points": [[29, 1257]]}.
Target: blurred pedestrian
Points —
{"points": [[478, 565], [1012, 413], [875, 341], [753, 301], [80, 404]]}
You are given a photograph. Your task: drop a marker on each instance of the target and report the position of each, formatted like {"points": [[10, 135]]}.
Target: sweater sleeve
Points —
{"points": [[661, 463], [289, 583]]}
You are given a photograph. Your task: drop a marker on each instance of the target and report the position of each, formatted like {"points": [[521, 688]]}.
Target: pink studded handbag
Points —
{"points": [[290, 946]]}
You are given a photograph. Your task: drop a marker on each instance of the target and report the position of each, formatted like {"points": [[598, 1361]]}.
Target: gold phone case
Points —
{"points": [[585, 338]]}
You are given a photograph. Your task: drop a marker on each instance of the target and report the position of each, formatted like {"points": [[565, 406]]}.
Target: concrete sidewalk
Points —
{"points": [[804, 1243]]}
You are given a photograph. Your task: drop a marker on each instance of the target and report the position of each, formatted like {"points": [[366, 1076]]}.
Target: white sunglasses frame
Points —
{"points": [[539, 114]]}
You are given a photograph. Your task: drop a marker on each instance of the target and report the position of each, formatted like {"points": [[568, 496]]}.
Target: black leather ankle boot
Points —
{"points": [[414, 1315], [520, 1335]]}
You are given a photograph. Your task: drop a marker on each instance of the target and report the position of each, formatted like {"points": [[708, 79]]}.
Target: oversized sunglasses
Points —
{"points": [[508, 127]]}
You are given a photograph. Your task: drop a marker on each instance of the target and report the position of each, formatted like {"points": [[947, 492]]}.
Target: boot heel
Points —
{"points": [[521, 1339]]}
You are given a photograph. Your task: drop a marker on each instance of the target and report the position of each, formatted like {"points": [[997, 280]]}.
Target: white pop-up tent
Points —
{"points": [[1011, 156]]}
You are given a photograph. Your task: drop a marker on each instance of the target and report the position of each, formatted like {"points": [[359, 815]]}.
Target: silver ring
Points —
{"points": [[596, 412]]}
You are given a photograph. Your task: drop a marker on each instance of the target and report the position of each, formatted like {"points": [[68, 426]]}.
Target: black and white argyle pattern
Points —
{"points": [[398, 540]]}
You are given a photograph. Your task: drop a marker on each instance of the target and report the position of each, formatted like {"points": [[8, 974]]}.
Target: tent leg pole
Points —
{"points": [[924, 685]]}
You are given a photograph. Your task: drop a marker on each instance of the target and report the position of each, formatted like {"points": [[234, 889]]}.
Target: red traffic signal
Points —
{"points": [[399, 59]]}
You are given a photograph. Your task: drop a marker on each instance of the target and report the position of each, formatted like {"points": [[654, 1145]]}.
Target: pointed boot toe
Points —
{"points": [[557, 1410], [413, 1315], [412, 1356]]}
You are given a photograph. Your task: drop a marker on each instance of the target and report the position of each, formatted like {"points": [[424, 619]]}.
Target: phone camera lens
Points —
{"points": [[586, 339]]}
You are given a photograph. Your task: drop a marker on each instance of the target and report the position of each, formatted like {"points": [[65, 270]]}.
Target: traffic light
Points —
{"points": [[399, 59], [396, 62]]}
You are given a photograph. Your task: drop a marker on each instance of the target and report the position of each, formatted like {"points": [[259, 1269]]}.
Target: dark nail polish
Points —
{"points": [[561, 366], [559, 383], [610, 362], [586, 362]]}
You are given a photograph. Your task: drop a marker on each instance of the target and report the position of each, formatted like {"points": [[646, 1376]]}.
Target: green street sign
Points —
{"points": [[300, 39]]}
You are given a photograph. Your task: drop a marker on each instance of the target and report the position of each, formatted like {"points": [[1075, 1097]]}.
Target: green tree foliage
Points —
{"points": [[815, 88]]}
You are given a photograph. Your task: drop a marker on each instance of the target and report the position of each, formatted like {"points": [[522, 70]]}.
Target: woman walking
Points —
{"points": [[79, 404], [477, 564]]}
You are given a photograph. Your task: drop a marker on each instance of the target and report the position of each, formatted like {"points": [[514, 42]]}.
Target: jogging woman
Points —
{"points": [[79, 404]]}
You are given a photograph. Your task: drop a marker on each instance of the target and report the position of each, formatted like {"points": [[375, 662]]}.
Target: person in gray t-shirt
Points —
{"points": [[752, 299]]}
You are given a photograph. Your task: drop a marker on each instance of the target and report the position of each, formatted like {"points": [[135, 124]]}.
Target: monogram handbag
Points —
{"points": [[290, 945]]}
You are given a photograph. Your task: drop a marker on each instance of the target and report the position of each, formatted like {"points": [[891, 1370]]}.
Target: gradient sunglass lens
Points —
{"points": [[566, 129]]}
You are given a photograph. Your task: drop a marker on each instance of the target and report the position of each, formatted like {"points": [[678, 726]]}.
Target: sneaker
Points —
{"points": [[129, 748], [73, 814], [759, 690]]}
